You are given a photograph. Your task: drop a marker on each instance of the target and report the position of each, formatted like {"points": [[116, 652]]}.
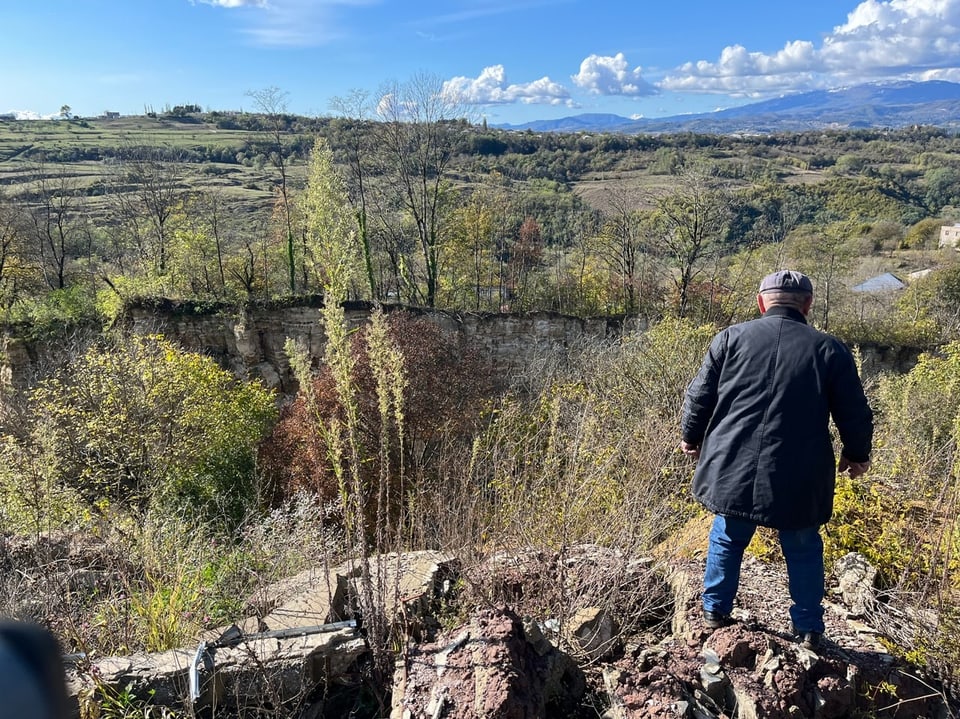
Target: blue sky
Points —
{"points": [[511, 60]]}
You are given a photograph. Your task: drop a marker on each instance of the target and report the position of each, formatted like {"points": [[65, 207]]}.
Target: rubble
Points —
{"points": [[634, 648]]}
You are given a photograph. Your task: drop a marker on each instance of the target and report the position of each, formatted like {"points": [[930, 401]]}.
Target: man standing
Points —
{"points": [[756, 417]]}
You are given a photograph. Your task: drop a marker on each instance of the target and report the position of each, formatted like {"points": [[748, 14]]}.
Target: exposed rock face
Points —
{"points": [[251, 342]]}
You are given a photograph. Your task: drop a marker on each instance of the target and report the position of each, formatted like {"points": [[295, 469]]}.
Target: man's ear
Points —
{"points": [[761, 304], [808, 303]]}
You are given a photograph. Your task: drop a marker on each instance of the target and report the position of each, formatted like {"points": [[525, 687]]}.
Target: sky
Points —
{"points": [[510, 61]]}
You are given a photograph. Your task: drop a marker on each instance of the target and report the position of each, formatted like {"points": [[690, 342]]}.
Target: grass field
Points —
{"points": [[19, 137], [31, 148]]}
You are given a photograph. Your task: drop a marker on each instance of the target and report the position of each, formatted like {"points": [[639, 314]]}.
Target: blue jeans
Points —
{"points": [[803, 550]]}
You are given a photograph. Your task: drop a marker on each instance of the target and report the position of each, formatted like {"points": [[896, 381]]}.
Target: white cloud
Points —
{"points": [[492, 88], [881, 39], [296, 23], [235, 3], [605, 75]]}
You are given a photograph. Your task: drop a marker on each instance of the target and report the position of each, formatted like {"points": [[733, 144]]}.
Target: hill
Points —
{"points": [[874, 105]]}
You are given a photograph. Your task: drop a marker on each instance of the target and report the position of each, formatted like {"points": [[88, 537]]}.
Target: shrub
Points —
{"points": [[443, 396], [594, 451], [137, 421]]}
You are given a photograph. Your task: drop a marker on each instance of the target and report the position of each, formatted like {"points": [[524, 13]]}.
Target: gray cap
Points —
{"points": [[786, 281]]}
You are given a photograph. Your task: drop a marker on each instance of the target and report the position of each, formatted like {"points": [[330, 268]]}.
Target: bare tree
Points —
{"points": [[56, 218], [156, 194], [13, 229], [693, 219], [623, 241], [272, 102], [419, 120]]}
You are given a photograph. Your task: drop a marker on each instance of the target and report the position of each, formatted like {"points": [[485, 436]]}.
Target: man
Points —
{"points": [[756, 417]]}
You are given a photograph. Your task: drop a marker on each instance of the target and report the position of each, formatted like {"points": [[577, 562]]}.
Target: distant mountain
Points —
{"points": [[874, 105]]}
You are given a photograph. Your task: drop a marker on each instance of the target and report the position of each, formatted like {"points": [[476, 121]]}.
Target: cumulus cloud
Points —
{"points": [[605, 75], [492, 88], [881, 39]]}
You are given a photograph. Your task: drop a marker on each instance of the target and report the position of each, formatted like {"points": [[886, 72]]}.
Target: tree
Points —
{"points": [[13, 229], [471, 257], [622, 242], [58, 222], [526, 255], [199, 245], [156, 174], [196, 428], [943, 187], [777, 208], [272, 102], [355, 107], [826, 256], [334, 252], [416, 139], [693, 222], [65, 112]]}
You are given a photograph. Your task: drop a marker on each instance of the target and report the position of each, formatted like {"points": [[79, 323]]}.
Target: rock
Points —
{"points": [[489, 670], [714, 682], [297, 641], [857, 580], [253, 671], [594, 633], [493, 664], [835, 698]]}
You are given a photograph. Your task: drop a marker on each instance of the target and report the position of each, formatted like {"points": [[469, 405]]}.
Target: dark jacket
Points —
{"points": [[760, 409]]}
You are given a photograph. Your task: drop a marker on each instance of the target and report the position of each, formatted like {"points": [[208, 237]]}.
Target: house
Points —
{"points": [[887, 282], [949, 235], [109, 115]]}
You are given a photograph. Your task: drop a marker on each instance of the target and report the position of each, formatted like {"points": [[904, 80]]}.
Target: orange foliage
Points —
{"points": [[447, 385]]}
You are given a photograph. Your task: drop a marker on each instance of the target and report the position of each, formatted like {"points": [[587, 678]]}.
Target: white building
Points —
{"points": [[949, 235]]}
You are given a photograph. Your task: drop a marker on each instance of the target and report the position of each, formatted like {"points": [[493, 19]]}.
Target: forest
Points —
{"points": [[400, 438]]}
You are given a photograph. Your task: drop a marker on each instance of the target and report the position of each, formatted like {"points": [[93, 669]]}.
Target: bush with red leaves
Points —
{"points": [[448, 385]]}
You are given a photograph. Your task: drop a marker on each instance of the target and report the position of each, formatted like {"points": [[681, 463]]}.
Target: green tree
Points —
{"points": [[334, 252], [923, 235], [943, 187], [470, 263], [355, 107], [826, 256]]}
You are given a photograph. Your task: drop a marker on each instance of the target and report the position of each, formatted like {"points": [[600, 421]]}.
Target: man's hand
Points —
{"points": [[691, 450], [854, 469]]}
